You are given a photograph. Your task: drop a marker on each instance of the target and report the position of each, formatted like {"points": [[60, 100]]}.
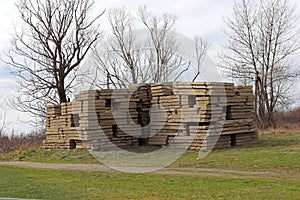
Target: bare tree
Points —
{"points": [[126, 59], [118, 63], [3, 120], [46, 53], [163, 59], [261, 37], [201, 47]]}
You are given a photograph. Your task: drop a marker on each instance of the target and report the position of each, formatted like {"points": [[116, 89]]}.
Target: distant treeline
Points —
{"points": [[13, 142], [292, 116]]}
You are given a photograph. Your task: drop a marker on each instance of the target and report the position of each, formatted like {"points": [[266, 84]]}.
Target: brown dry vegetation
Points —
{"points": [[13, 142], [286, 123], [281, 128]]}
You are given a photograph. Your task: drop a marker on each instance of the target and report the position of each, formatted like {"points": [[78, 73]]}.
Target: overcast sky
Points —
{"points": [[195, 17]]}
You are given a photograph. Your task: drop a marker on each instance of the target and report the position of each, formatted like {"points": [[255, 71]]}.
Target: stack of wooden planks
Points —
{"points": [[61, 128], [164, 114], [202, 113], [195, 115], [96, 119]]}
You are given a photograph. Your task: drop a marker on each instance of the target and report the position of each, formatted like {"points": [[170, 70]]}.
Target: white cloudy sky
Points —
{"points": [[201, 17]]}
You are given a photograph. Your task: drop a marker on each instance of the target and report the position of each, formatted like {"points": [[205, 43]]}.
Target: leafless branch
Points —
{"points": [[45, 54], [127, 60], [260, 39]]}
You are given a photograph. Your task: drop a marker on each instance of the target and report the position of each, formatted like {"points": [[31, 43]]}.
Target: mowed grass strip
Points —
{"points": [[279, 153], [79, 156], [52, 184]]}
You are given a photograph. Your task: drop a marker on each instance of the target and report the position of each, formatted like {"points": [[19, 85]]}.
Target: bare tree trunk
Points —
{"points": [[46, 54], [126, 61], [201, 49], [261, 38]]}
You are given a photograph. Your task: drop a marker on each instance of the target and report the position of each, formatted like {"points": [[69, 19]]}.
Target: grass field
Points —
{"points": [[49, 184], [273, 153]]}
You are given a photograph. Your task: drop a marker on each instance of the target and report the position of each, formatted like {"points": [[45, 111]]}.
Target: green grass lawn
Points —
{"points": [[80, 156], [279, 153], [271, 153], [51, 184]]}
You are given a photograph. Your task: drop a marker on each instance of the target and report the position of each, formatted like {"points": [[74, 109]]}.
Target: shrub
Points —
{"points": [[22, 141]]}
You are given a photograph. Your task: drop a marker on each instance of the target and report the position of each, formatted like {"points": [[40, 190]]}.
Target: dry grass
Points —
{"points": [[13, 142], [282, 128]]}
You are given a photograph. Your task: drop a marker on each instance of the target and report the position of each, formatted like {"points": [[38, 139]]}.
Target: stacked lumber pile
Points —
{"points": [[61, 128], [203, 115], [109, 118], [201, 111], [94, 120], [142, 95], [164, 114], [239, 124], [194, 115]]}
